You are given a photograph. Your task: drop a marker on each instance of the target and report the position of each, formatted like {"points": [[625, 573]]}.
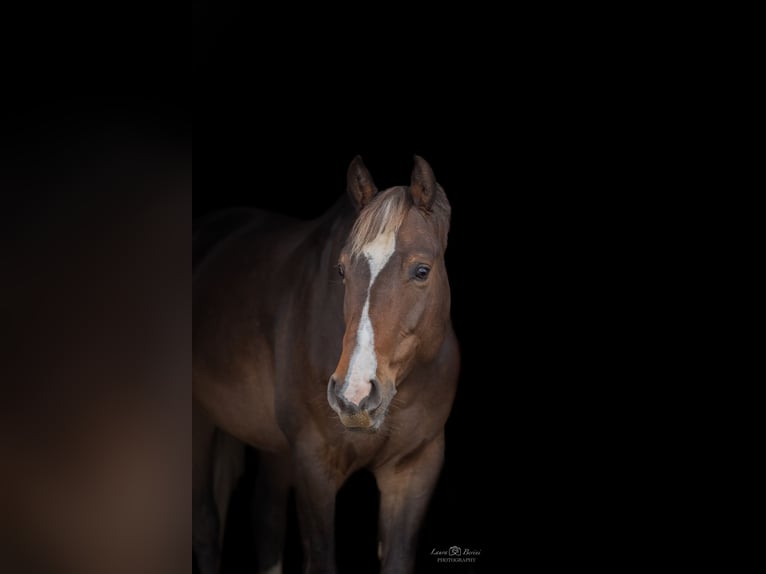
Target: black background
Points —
{"points": [[538, 159]]}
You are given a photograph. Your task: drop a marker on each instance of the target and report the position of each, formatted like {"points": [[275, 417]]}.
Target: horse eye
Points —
{"points": [[421, 273], [341, 270]]}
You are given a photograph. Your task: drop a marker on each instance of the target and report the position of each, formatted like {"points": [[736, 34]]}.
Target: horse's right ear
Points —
{"points": [[359, 184]]}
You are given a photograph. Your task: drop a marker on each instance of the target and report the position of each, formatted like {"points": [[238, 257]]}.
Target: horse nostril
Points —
{"points": [[332, 396], [372, 400]]}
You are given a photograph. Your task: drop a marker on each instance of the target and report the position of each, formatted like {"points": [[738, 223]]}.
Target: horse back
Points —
{"points": [[211, 230]]}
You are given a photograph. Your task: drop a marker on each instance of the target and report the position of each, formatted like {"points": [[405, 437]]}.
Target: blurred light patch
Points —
{"points": [[95, 331]]}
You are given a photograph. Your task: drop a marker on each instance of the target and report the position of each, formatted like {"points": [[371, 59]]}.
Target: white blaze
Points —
{"points": [[364, 363]]}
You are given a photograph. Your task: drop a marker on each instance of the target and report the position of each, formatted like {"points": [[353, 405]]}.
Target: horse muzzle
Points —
{"points": [[365, 413]]}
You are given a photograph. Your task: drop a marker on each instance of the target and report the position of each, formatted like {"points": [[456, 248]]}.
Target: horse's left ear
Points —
{"points": [[423, 184]]}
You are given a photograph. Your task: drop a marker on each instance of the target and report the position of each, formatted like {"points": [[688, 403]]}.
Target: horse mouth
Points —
{"points": [[359, 422]]}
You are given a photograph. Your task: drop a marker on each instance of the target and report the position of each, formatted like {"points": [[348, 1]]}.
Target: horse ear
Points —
{"points": [[423, 184], [359, 183]]}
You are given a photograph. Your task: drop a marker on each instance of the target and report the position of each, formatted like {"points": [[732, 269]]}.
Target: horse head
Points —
{"points": [[397, 296]]}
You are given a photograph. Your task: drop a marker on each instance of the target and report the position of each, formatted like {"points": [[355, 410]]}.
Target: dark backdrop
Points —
{"points": [[548, 188]]}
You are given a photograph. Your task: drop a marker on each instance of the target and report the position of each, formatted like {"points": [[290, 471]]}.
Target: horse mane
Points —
{"points": [[386, 211]]}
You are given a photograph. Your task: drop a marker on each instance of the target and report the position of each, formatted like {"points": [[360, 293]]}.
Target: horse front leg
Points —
{"points": [[406, 485], [272, 485], [315, 490]]}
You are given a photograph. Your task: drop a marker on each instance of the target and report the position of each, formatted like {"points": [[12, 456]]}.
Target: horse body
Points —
{"points": [[277, 341]]}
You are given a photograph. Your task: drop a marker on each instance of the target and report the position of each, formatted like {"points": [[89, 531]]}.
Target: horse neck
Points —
{"points": [[335, 225], [322, 313]]}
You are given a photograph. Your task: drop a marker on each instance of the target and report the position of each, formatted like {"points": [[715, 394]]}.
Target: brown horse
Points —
{"points": [[328, 346]]}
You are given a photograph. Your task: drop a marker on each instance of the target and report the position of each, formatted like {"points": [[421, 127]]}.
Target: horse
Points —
{"points": [[328, 346]]}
